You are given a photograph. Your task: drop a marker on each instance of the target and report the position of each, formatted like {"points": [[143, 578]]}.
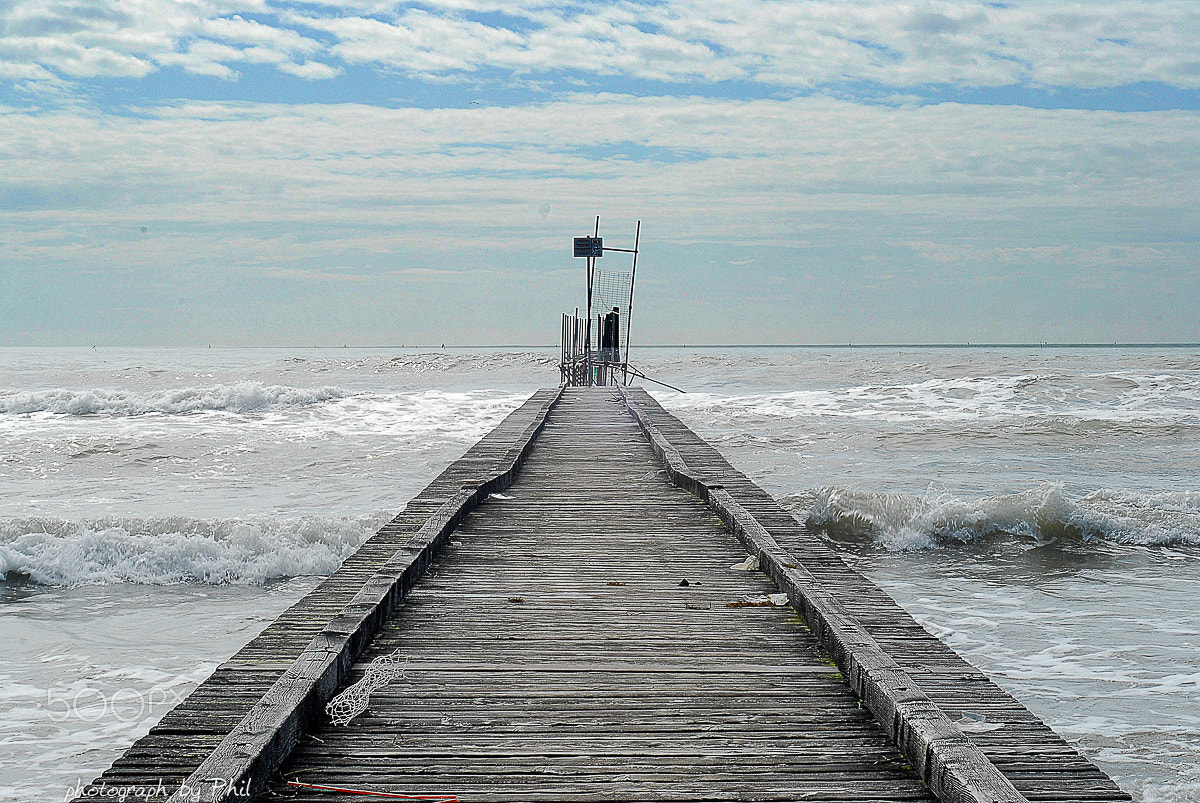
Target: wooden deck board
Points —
{"points": [[184, 737], [580, 637], [688, 699], [940, 673]]}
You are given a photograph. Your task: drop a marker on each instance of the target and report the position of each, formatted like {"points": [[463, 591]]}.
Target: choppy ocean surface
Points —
{"points": [[1038, 509]]}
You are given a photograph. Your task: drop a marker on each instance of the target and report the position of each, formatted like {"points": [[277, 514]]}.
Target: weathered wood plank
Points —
{"points": [[646, 690], [870, 636], [583, 636]]}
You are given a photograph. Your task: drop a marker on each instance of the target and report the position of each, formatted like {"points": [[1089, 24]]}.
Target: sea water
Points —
{"points": [[1036, 508]]}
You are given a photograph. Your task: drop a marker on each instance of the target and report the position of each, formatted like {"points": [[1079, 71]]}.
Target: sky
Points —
{"points": [[370, 172]]}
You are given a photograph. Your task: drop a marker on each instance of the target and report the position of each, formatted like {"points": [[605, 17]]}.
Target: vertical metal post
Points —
{"points": [[637, 236], [576, 364], [587, 337], [567, 356], [602, 368]]}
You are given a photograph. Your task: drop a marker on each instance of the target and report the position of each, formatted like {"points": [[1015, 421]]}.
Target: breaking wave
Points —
{"points": [[1039, 516], [176, 549], [242, 397], [475, 362]]}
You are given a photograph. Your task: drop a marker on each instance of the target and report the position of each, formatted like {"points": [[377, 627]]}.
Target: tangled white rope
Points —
{"points": [[353, 700]]}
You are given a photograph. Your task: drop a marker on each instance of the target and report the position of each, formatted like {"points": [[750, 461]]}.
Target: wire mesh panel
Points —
{"points": [[613, 289]]}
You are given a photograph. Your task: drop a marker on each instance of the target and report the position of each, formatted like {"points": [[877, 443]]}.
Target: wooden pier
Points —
{"points": [[573, 625]]}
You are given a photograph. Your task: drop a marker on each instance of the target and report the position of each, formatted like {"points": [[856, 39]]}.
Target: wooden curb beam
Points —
{"points": [[953, 767], [242, 764]]}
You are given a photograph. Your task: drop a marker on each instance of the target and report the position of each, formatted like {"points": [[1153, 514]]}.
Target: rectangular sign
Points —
{"points": [[589, 246]]}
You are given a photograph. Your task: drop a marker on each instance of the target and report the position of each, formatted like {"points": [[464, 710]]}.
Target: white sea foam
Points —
{"points": [[969, 400], [1178, 792], [1040, 515], [178, 549], [241, 397]]}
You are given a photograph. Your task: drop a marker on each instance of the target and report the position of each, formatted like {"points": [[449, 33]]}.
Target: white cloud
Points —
{"points": [[29, 58], [236, 29], [310, 70], [24, 71], [803, 43], [132, 38], [789, 44], [418, 207], [417, 41], [754, 173], [204, 58], [962, 196]]}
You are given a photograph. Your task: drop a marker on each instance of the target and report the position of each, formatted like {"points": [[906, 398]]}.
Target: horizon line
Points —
{"points": [[845, 345]]}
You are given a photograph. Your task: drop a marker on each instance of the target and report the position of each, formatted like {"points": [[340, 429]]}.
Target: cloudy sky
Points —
{"points": [[266, 172]]}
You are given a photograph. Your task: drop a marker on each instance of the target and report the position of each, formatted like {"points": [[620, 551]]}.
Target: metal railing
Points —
{"points": [[580, 364]]}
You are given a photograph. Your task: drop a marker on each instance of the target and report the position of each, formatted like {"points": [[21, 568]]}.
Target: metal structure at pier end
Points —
{"points": [[591, 351]]}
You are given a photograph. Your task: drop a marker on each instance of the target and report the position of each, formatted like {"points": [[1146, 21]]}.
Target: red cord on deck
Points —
{"points": [[396, 795]]}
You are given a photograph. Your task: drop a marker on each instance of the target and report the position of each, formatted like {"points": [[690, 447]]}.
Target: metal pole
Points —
{"points": [[637, 236], [587, 337], [587, 327]]}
